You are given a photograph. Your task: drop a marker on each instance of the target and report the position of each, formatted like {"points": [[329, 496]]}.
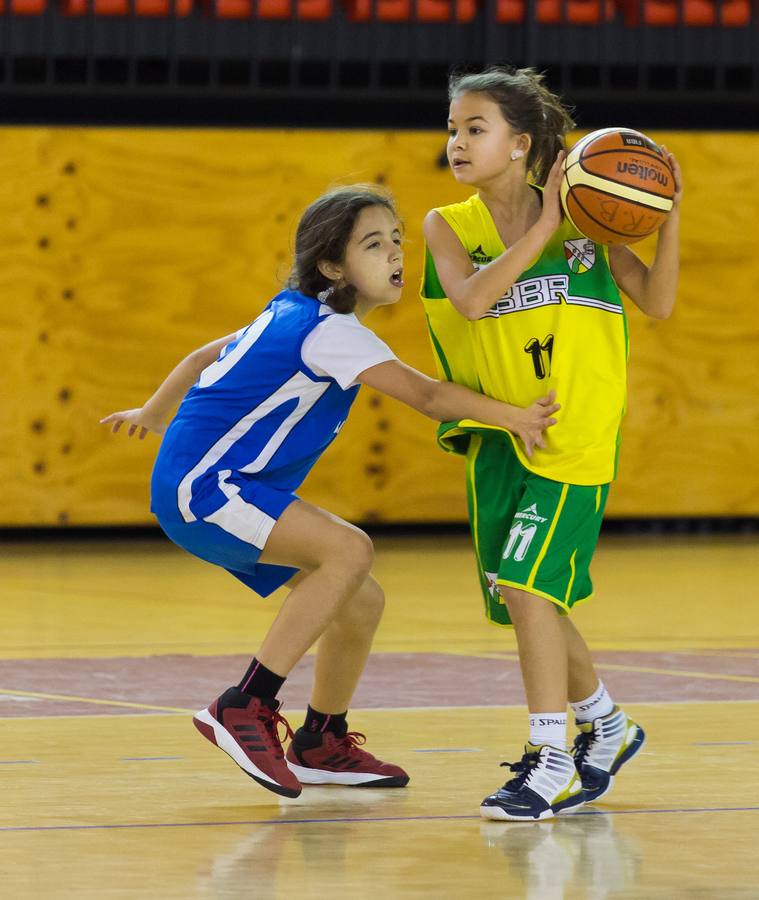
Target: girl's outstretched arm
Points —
{"points": [[152, 416], [653, 290], [446, 402]]}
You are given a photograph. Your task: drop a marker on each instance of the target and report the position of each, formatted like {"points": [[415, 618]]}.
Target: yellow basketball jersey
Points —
{"points": [[560, 326]]}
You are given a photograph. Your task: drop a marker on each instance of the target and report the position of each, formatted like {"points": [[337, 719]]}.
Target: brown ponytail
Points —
{"points": [[527, 105]]}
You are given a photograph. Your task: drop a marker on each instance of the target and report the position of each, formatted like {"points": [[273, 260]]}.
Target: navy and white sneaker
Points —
{"points": [[602, 747], [546, 784]]}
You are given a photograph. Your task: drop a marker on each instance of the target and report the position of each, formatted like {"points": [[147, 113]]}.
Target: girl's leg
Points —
{"points": [[323, 751], [582, 678], [543, 650], [344, 647], [336, 558], [546, 781]]}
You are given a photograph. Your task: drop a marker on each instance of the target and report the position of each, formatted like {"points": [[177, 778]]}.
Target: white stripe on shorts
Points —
{"points": [[241, 519]]}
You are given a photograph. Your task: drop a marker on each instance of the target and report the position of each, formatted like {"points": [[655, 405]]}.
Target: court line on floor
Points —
{"points": [[358, 819], [648, 670], [92, 700], [174, 713], [732, 653]]}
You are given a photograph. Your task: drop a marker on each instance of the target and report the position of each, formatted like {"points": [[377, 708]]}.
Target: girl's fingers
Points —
{"points": [[132, 429], [116, 425], [143, 432], [556, 167]]}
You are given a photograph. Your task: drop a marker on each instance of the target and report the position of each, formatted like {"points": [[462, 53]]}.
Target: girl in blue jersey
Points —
{"points": [[260, 407]]}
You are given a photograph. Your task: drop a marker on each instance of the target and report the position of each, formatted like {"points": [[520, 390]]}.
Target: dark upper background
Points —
{"points": [[694, 65]]}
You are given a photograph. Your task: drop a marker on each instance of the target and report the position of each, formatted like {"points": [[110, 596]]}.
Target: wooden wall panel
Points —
{"points": [[123, 249]]}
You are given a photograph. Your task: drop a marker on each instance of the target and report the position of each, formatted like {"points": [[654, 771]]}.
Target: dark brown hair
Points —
{"points": [[527, 105], [323, 233]]}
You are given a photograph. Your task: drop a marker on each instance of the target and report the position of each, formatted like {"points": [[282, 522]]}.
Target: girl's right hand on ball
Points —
{"points": [[530, 424], [135, 418], [551, 215]]}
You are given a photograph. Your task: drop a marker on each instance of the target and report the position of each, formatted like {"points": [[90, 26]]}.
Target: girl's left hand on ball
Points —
{"points": [[678, 175]]}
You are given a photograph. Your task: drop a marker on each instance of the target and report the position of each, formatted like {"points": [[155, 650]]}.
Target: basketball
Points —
{"points": [[617, 186]]}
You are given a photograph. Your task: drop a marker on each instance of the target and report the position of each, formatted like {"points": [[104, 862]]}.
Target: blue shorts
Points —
{"points": [[233, 536]]}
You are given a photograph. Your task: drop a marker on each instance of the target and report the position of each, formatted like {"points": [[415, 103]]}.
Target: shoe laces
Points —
{"points": [[581, 747], [352, 740], [523, 770], [271, 720]]}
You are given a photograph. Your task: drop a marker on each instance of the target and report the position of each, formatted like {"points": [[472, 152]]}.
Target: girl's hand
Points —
{"points": [[551, 215], [529, 424], [135, 418], [676, 171]]}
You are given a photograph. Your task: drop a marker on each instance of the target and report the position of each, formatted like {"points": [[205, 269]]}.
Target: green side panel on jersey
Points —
{"points": [[439, 351], [431, 287]]}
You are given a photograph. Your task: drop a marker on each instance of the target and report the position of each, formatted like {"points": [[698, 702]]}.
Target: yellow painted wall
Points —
{"points": [[123, 249]]}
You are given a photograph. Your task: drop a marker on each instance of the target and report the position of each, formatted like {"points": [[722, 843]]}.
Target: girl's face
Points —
{"points": [[373, 260], [481, 141]]}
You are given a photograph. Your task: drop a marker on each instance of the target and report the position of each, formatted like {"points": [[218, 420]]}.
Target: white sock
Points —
{"points": [[594, 707], [549, 728]]}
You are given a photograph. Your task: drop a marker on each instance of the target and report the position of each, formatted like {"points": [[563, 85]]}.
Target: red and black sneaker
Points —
{"points": [[246, 728], [328, 758]]}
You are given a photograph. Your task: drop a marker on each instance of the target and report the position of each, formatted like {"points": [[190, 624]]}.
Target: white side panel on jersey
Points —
{"points": [[307, 392], [299, 387], [211, 374]]}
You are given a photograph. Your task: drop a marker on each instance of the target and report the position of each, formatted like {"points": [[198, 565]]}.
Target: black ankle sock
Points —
{"points": [[318, 723], [259, 681]]}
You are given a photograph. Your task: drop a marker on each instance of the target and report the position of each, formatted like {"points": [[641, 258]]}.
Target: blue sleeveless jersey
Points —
{"points": [[257, 413]]}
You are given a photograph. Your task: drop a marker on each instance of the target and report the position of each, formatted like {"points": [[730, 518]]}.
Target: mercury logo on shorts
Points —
{"points": [[531, 514]]}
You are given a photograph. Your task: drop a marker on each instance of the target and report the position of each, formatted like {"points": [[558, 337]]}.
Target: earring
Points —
{"points": [[515, 154]]}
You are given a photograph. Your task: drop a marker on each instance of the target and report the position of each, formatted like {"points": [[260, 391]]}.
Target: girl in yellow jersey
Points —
{"points": [[519, 304]]}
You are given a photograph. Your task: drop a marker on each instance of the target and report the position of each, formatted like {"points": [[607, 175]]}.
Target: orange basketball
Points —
{"points": [[617, 186]]}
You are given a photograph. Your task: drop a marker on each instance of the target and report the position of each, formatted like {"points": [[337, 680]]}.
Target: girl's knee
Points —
{"points": [[523, 606], [359, 550], [353, 552], [372, 599], [365, 608]]}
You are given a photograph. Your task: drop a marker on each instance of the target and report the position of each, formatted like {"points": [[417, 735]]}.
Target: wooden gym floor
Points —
{"points": [[109, 792]]}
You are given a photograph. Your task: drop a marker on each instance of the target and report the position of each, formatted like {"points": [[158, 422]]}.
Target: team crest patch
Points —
{"points": [[580, 254]]}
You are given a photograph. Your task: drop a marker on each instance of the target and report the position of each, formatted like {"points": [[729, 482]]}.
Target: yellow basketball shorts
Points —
{"points": [[529, 532]]}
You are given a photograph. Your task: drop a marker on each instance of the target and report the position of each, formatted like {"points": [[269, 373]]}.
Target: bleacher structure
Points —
{"points": [[383, 48]]}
